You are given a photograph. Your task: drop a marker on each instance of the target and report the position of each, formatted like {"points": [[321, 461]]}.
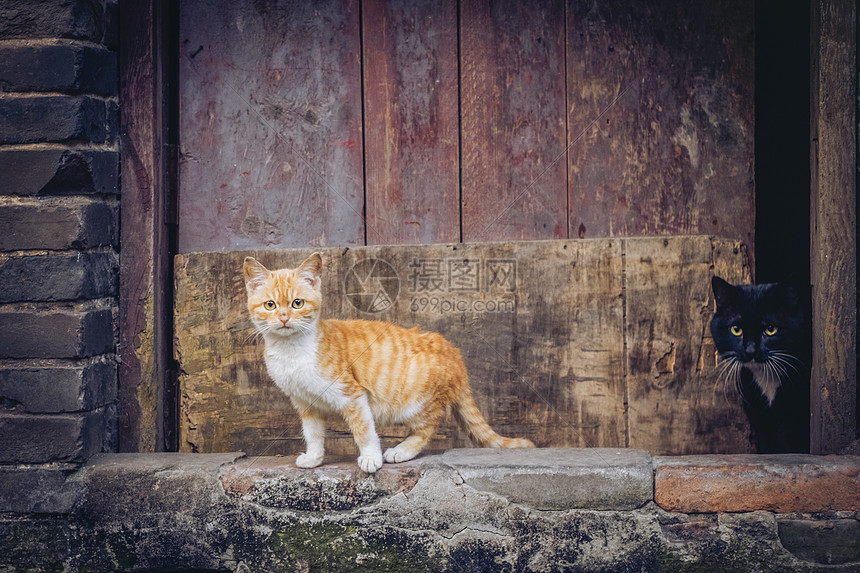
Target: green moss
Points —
{"points": [[331, 547]]}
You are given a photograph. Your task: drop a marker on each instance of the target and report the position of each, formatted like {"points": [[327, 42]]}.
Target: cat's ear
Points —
{"points": [[725, 293], [310, 270], [256, 275]]}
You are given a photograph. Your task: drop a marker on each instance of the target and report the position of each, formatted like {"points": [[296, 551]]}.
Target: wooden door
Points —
{"points": [[372, 129]]}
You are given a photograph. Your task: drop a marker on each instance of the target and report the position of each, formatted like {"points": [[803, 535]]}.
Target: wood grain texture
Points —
{"points": [[833, 424], [514, 183], [411, 121], [143, 338], [271, 147], [541, 326], [536, 371], [678, 404], [660, 118]]}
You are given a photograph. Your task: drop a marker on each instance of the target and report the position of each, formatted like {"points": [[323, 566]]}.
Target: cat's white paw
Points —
{"points": [[370, 462], [398, 454], [308, 461]]}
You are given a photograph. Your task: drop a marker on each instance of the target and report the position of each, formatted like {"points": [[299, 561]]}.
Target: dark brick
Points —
{"points": [[56, 277], [65, 224], [57, 388], [45, 489], [57, 19], [111, 24], [112, 136], [41, 439], [43, 118], [58, 67], [59, 333], [58, 172], [829, 542]]}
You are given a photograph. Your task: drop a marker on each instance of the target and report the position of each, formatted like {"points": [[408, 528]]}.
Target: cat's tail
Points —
{"points": [[470, 419]]}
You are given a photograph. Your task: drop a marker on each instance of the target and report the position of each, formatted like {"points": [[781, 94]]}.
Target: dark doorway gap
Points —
{"points": [[782, 175], [170, 45]]}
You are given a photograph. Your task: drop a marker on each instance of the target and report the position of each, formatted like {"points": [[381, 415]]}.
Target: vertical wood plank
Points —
{"points": [[271, 146], [833, 210], [144, 262], [678, 404], [513, 120], [412, 164], [660, 118]]}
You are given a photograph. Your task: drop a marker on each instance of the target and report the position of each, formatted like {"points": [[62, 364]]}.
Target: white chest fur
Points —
{"points": [[767, 380], [293, 364]]}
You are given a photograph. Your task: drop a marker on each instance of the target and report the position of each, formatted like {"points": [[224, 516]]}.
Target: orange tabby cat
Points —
{"points": [[369, 373]]}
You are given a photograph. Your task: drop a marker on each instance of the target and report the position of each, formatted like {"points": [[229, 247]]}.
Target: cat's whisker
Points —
{"points": [[727, 380], [729, 372], [739, 383], [779, 367], [788, 360], [253, 336]]}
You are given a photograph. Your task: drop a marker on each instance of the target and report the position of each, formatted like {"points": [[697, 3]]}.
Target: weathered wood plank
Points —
{"points": [[514, 183], [660, 118], [539, 325], [677, 402], [833, 166], [271, 125], [143, 334], [411, 121]]}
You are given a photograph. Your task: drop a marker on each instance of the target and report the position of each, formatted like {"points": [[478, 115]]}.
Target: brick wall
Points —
{"points": [[59, 261]]}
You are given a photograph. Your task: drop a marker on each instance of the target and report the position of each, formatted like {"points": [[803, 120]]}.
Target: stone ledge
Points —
{"points": [[784, 483], [277, 482], [547, 479], [558, 478], [451, 511]]}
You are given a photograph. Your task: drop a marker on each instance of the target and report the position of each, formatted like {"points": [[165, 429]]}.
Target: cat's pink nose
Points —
{"points": [[284, 319]]}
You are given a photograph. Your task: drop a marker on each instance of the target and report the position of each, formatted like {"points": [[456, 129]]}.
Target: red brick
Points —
{"points": [[787, 483]]}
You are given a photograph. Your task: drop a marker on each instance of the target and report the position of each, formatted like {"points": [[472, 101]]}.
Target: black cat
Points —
{"points": [[763, 337]]}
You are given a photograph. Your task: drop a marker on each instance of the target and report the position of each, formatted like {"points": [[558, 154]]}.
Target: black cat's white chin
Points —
{"points": [[766, 378]]}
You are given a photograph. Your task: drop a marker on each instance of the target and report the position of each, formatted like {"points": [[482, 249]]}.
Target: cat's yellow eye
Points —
{"points": [[770, 330], [298, 303], [736, 330], [269, 305]]}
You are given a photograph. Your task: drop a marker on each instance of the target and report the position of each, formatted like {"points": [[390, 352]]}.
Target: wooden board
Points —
{"points": [[411, 121], [514, 183], [271, 146], [535, 372], [833, 212], [660, 121], [143, 325], [677, 402], [541, 326]]}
